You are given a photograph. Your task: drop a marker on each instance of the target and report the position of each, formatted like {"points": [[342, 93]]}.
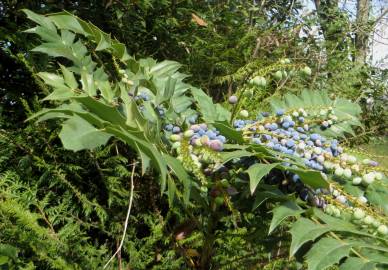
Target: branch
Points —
{"points": [[381, 16], [126, 219]]}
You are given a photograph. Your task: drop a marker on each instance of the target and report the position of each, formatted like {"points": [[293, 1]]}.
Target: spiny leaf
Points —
{"points": [[229, 132], [286, 209], [354, 263], [305, 230], [77, 134], [256, 173], [327, 252]]}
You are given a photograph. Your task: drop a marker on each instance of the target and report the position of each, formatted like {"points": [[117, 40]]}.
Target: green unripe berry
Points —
{"points": [[306, 71], [352, 159], [259, 81], [357, 180], [382, 229], [198, 142], [176, 145], [368, 178], [368, 220], [376, 223], [284, 74], [278, 75], [219, 200], [339, 171], [329, 209], [336, 212], [204, 139], [188, 133], [347, 173], [203, 189], [358, 213], [379, 176], [175, 137], [244, 113], [366, 161], [224, 183]]}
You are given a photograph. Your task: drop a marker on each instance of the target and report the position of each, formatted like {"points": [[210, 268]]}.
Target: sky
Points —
{"points": [[379, 40]]}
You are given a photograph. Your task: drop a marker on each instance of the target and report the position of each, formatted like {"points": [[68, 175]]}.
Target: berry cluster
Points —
{"points": [[288, 133], [198, 135]]}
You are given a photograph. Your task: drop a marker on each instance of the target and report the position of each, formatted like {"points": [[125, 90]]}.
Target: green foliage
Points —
{"points": [[224, 45]]}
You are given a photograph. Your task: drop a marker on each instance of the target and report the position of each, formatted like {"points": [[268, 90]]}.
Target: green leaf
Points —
{"points": [[178, 169], [310, 177], [64, 20], [60, 94], [3, 260], [286, 209], [102, 39], [227, 156], [171, 189], [103, 111], [69, 77], [305, 230], [45, 33], [256, 173], [77, 134], [53, 80], [165, 68], [88, 84], [210, 112], [354, 263], [262, 196], [327, 252], [377, 194], [145, 160], [136, 141], [40, 19], [56, 50], [229, 132], [181, 103]]}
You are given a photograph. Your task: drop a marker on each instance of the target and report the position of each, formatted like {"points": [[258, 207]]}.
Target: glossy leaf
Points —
{"points": [[327, 252], [283, 211], [256, 172], [77, 134], [303, 231]]}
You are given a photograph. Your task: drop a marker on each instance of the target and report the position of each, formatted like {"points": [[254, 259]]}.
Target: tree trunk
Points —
{"points": [[362, 31]]}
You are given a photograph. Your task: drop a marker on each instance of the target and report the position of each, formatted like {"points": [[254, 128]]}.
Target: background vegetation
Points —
{"points": [[65, 210]]}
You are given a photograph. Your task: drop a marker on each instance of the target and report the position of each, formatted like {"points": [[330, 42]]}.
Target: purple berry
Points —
{"points": [[215, 145]]}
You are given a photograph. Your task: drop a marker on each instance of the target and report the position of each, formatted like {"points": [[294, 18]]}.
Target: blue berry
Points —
{"points": [[222, 138], [266, 137], [265, 114], [168, 127], [176, 130], [273, 126], [295, 178], [280, 112], [314, 136], [290, 143], [286, 124]]}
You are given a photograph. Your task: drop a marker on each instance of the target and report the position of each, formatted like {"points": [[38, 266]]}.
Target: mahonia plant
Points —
{"points": [[290, 158]]}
